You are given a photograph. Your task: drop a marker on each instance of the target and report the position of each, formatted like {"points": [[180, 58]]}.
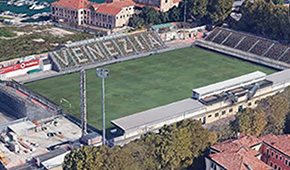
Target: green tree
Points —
{"points": [[250, 121], [276, 108], [174, 147], [219, 10]]}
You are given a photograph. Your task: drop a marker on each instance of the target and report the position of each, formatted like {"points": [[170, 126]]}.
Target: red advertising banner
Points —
{"points": [[20, 66]]}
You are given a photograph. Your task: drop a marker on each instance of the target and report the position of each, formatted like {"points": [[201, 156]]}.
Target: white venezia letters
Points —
{"points": [[110, 49], [79, 55], [153, 41], [64, 59], [125, 45], [139, 43], [96, 53]]}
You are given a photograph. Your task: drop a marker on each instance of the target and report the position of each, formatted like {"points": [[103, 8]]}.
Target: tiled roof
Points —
{"points": [[115, 7], [280, 142], [239, 160], [75, 4], [233, 144], [176, 1], [143, 5]]}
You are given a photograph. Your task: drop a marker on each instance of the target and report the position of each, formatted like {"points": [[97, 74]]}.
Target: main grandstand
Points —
{"points": [[207, 104], [249, 47]]}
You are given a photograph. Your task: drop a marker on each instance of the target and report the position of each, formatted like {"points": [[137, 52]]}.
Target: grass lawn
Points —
{"points": [[4, 32], [146, 83], [25, 44]]}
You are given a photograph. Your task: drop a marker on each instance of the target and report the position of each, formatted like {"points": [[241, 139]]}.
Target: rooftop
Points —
{"points": [[280, 142], [158, 114], [36, 142], [234, 144], [113, 8], [230, 84], [239, 159], [237, 153], [75, 4], [279, 77]]}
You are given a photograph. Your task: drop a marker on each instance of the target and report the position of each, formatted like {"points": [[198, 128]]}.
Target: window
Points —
{"points": [[212, 165], [267, 152], [281, 158], [216, 115], [271, 164], [231, 110], [223, 112], [272, 154], [286, 162], [275, 166], [240, 108], [256, 101], [276, 156], [279, 168], [250, 104], [209, 116]]}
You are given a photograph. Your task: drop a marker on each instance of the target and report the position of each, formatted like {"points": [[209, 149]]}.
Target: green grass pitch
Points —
{"points": [[141, 84]]}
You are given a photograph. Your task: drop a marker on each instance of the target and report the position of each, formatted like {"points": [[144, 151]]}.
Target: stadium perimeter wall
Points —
{"points": [[241, 54], [11, 105]]}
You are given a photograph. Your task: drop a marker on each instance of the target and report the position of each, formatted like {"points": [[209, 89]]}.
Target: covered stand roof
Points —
{"points": [[158, 114], [230, 84]]}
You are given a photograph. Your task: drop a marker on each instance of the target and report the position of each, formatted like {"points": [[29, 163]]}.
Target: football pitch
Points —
{"points": [[145, 83]]}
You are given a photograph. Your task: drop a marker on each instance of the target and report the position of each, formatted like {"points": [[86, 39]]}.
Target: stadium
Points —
{"points": [[154, 79], [151, 82]]}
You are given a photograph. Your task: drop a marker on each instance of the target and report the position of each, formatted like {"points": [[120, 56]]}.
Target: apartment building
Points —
{"points": [[247, 152], [109, 15]]}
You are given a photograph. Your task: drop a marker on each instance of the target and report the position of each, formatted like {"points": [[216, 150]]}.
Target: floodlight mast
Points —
{"points": [[103, 73]]}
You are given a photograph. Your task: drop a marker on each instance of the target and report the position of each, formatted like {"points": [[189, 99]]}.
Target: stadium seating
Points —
{"points": [[125, 45], [233, 40], [221, 37], [213, 34], [105, 48], [261, 47], [286, 57], [276, 51], [250, 43], [247, 43]]}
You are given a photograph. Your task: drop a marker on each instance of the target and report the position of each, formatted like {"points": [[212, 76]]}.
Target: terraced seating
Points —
{"points": [[221, 37], [139, 42], [125, 45], [261, 47], [286, 57], [106, 48], [247, 43], [110, 48], [212, 34], [276, 51], [233, 40], [63, 59], [250, 43]]}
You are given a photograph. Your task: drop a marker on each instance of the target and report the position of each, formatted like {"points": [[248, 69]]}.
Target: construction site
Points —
{"points": [[35, 133]]}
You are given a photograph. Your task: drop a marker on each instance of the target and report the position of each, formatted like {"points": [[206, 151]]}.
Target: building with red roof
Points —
{"points": [[276, 151], [109, 15], [247, 152]]}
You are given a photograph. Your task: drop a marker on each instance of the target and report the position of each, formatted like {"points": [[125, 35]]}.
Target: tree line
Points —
{"points": [[174, 147], [264, 18], [204, 11]]}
